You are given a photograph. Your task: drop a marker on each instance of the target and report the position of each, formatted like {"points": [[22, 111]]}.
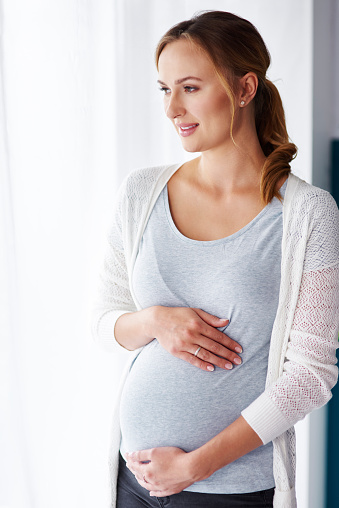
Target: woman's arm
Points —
{"points": [[309, 369], [309, 375], [181, 331], [309, 372], [167, 470]]}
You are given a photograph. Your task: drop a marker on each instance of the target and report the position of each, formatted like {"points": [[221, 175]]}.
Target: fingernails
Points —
{"points": [[228, 366], [238, 349], [210, 368], [237, 361]]}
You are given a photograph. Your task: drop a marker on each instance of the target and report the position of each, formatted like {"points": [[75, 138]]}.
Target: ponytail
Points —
{"points": [[273, 138]]}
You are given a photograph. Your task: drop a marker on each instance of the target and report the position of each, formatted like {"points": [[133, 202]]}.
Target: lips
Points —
{"points": [[186, 129]]}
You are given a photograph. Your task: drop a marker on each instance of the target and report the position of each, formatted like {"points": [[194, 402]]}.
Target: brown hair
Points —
{"points": [[235, 48]]}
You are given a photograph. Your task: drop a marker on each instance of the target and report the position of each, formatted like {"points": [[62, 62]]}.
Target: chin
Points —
{"points": [[191, 149]]}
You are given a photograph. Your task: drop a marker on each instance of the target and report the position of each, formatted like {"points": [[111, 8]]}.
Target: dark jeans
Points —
{"points": [[132, 495]]}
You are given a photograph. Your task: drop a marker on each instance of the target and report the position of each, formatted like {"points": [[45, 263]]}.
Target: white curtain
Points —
{"points": [[57, 186], [79, 108], [13, 445]]}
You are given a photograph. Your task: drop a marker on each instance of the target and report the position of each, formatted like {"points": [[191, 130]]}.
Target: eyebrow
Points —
{"points": [[179, 81]]}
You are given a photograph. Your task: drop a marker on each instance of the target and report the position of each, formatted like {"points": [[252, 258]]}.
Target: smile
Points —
{"points": [[187, 129]]}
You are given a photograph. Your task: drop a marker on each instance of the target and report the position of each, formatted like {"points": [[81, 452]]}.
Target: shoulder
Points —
{"points": [[313, 215], [137, 191], [142, 181], [304, 197]]}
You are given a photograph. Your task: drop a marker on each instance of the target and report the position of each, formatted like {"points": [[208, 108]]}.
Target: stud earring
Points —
{"points": [[242, 103]]}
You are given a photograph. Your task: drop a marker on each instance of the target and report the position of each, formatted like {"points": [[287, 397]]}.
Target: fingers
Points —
{"points": [[206, 360], [196, 361], [226, 341], [163, 493], [143, 456], [141, 479], [226, 362], [221, 338], [211, 319], [212, 350], [139, 464], [216, 335], [185, 330], [147, 481]]}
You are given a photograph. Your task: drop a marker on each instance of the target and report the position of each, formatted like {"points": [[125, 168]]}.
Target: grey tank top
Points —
{"points": [[168, 402]]}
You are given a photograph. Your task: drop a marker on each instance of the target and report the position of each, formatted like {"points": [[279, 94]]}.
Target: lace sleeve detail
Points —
{"points": [[302, 365], [310, 370], [323, 243], [114, 296], [134, 202]]}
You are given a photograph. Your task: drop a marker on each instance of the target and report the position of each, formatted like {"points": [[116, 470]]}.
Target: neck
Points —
{"points": [[234, 167], [230, 169]]}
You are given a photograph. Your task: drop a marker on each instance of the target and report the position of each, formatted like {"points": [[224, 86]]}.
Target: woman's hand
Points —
{"points": [[163, 471], [192, 335], [168, 470]]}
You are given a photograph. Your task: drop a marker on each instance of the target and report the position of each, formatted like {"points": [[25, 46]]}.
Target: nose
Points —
{"points": [[174, 106]]}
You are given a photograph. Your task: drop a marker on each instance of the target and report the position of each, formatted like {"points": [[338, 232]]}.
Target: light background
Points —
{"points": [[79, 109]]}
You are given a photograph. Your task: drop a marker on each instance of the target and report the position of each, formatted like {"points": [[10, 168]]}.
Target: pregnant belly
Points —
{"points": [[168, 402]]}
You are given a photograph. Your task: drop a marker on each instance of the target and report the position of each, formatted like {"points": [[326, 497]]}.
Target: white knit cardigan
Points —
{"points": [[302, 361]]}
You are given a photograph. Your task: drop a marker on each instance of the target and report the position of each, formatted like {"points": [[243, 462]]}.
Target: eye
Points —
{"points": [[165, 90], [190, 89]]}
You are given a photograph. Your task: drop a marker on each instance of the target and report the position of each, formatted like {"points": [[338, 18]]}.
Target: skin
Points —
{"points": [[225, 182]]}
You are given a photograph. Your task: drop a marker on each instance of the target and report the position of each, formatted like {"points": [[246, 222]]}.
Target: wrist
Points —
{"points": [[233, 442], [200, 464], [149, 319]]}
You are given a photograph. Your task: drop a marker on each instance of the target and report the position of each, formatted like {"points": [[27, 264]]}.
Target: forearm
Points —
{"points": [[236, 440], [133, 329], [168, 470]]}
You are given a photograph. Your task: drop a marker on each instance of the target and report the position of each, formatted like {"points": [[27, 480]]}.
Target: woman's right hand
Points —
{"points": [[182, 330]]}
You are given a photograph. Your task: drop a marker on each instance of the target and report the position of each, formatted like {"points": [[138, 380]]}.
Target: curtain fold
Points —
{"points": [[14, 461], [79, 109], [57, 179]]}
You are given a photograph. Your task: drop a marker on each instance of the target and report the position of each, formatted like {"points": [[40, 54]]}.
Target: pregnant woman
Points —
{"points": [[222, 275]]}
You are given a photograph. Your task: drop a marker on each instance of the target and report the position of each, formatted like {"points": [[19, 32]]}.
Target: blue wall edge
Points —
{"points": [[332, 476]]}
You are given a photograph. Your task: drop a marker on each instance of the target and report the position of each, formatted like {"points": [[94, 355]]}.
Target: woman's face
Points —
{"points": [[194, 98]]}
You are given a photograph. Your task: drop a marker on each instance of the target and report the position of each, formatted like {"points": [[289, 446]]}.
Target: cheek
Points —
{"points": [[224, 113], [217, 109], [224, 107], [219, 118]]}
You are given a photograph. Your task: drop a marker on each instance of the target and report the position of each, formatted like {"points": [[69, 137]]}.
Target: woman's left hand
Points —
{"points": [[163, 471]]}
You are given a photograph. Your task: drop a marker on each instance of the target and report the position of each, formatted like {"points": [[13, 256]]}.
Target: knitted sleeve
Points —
{"points": [[114, 296], [309, 369]]}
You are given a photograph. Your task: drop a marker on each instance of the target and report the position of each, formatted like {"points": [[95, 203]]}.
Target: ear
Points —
{"points": [[248, 85]]}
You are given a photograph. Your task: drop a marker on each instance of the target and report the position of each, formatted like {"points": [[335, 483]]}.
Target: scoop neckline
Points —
{"points": [[217, 241]]}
